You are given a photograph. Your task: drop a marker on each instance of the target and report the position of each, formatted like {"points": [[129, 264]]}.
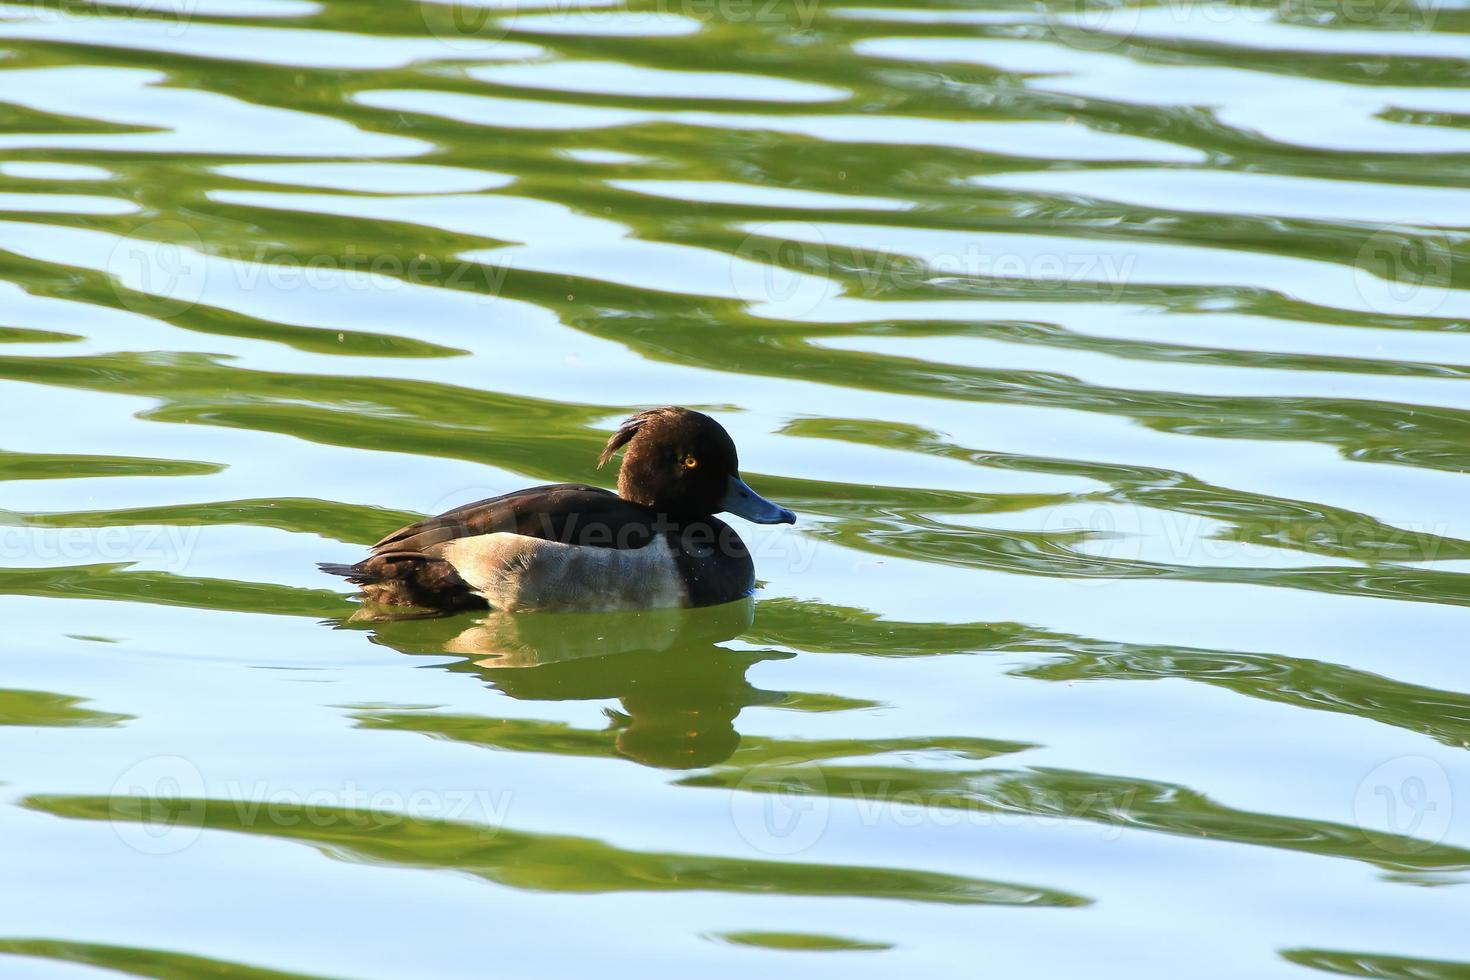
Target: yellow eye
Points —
{"points": [[690, 462]]}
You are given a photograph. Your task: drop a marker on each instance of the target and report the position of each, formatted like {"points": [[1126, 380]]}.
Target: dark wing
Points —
{"points": [[567, 512]]}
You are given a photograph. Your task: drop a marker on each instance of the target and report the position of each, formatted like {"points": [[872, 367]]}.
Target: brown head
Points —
{"points": [[683, 464]]}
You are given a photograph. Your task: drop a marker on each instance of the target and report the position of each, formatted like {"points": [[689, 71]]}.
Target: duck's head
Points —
{"points": [[683, 464]]}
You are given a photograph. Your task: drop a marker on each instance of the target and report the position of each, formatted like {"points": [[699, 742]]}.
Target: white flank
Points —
{"points": [[517, 572]]}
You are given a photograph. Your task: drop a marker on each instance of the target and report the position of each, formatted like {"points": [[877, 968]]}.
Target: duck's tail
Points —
{"points": [[401, 578]]}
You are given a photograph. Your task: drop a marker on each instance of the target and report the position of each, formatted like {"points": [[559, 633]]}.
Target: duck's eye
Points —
{"points": [[690, 462]]}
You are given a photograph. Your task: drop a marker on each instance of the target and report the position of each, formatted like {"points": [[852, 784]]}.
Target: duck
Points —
{"points": [[654, 544]]}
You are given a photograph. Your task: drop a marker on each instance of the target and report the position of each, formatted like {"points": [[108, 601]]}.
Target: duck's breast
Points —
{"points": [[714, 564]]}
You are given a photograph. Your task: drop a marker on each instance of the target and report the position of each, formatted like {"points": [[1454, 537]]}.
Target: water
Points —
{"points": [[1115, 361]]}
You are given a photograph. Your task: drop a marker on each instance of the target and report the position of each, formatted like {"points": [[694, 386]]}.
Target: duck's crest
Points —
{"points": [[630, 428]]}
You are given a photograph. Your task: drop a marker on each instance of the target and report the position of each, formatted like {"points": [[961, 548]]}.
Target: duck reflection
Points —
{"points": [[679, 691]]}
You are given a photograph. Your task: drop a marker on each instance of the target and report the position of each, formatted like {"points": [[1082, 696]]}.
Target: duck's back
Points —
{"points": [[571, 513]]}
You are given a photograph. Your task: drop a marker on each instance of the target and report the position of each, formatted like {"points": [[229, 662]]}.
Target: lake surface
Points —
{"points": [[1115, 360]]}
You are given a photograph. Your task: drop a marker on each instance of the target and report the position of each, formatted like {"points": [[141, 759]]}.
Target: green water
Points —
{"points": [[1115, 360]]}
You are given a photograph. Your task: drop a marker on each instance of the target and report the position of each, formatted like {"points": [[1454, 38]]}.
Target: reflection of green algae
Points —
{"points": [[805, 942], [552, 862], [1247, 517], [1119, 803], [160, 964], [116, 581], [21, 335], [342, 522], [390, 414], [1056, 656], [46, 710], [56, 466], [819, 702], [1378, 965]]}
